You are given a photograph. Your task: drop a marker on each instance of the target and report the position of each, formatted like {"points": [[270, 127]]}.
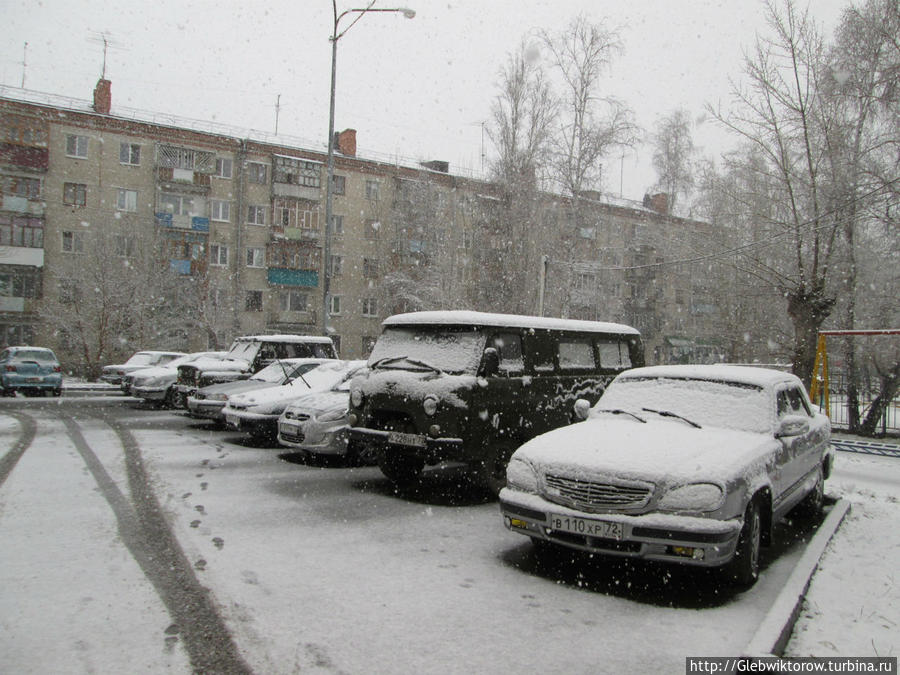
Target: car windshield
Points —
{"points": [[279, 371], [40, 355], [714, 403], [243, 349], [446, 349], [140, 359]]}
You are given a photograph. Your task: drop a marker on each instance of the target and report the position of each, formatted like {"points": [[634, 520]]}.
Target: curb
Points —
{"points": [[775, 630]]}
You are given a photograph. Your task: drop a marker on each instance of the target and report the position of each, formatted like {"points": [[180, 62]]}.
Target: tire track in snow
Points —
{"points": [[147, 535], [11, 458]]}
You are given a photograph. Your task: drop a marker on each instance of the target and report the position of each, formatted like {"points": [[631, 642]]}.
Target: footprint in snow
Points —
{"points": [[219, 542]]}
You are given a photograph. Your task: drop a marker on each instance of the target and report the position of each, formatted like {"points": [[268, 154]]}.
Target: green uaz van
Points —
{"points": [[471, 387]]}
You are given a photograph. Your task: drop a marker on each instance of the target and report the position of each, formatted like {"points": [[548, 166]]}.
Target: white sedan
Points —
{"points": [[257, 412], [689, 464]]}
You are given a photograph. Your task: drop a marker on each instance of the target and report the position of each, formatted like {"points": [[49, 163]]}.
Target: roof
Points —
{"points": [[316, 339], [761, 377], [467, 318]]}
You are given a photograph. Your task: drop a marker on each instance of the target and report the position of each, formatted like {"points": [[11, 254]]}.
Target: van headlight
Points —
{"points": [[520, 475], [356, 397], [700, 497], [430, 404]]}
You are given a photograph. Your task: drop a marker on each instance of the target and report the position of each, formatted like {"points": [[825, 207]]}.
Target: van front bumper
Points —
{"points": [[690, 540], [431, 450]]}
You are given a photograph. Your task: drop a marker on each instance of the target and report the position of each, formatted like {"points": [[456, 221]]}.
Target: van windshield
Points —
{"points": [[446, 349]]}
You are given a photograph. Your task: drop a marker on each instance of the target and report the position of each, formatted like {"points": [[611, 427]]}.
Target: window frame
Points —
{"points": [[75, 151], [216, 254], [216, 206], [125, 192], [255, 254], [258, 172], [76, 239], [71, 193], [257, 210], [131, 153]]}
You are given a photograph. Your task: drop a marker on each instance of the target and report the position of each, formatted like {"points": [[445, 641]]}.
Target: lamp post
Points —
{"points": [[329, 186]]}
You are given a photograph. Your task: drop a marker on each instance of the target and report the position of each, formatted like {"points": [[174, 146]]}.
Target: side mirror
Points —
{"points": [[490, 364], [792, 425], [582, 409]]}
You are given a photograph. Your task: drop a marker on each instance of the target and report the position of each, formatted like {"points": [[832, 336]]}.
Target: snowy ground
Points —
{"points": [[324, 570]]}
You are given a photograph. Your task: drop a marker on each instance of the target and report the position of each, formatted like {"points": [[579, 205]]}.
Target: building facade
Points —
{"points": [[227, 236]]}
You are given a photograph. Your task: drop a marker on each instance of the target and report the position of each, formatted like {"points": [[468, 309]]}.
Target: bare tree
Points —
{"points": [[673, 154]]}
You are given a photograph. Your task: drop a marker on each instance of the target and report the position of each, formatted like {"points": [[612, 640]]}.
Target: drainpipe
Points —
{"points": [[236, 281]]}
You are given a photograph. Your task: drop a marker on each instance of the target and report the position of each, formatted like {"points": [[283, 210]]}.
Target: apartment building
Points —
{"points": [[230, 233]]}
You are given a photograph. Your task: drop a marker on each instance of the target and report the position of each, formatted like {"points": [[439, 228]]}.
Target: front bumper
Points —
{"points": [[319, 438], [431, 450], [691, 540], [206, 408], [149, 393], [254, 423]]}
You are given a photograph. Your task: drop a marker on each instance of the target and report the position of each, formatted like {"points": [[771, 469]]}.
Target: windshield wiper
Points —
{"points": [[619, 411], [387, 359], [417, 362], [668, 413]]}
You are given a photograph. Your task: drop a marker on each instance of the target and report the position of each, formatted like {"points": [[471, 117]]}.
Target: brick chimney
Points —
{"points": [[658, 202], [103, 96], [345, 142]]}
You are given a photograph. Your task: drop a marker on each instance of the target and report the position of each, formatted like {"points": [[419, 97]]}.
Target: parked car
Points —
{"points": [[257, 412], [31, 370], [471, 387], [208, 402], [250, 354], [113, 374], [317, 423], [687, 464], [157, 383]]}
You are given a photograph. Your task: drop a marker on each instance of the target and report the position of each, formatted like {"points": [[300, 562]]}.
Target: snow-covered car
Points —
{"points": [[31, 370], [257, 412], [157, 383], [113, 374], [248, 355], [317, 423], [208, 402], [689, 464]]}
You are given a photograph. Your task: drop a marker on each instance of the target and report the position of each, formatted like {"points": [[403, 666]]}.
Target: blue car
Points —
{"points": [[31, 370]]}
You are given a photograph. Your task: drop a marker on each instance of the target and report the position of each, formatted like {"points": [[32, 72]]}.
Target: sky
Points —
{"points": [[415, 90]]}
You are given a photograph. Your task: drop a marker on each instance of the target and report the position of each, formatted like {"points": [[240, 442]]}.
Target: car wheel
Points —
{"points": [[812, 505], [744, 566], [57, 392], [492, 468], [362, 454], [402, 471]]}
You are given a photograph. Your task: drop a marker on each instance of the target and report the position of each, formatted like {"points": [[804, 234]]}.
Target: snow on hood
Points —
{"points": [[321, 402], [321, 378], [416, 385], [229, 364], [659, 450]]}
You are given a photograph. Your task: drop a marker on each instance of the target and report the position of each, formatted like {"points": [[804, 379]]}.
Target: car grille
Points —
{"points": [[299, 437], [593, 496], [300, 417]]}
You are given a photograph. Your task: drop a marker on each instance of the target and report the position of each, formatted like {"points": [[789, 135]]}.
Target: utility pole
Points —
{"points": [[24, 63], [277, 110]]}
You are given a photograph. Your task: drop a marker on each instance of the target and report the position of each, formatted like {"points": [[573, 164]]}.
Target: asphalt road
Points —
{"points": [[231, 538]]}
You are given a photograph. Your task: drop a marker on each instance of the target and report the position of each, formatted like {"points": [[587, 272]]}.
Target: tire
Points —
{"points": [[57, 392], [360, 454], [401, 470], [743, 569], [812, 505], [491, 471]]}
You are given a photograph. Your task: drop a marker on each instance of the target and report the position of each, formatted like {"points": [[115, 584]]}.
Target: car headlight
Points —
{"points": [[700, 497], [356, 397], [332, 416], [520, 475], [218, 397], [430, 404]]}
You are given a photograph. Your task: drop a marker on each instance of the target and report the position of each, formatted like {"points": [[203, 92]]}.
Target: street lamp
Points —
{"points": [[329, 186]]}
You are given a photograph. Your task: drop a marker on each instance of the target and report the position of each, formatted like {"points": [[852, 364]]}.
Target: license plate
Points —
{"points": [[410, 440], [587, 527], [34, 379], [233, 420]]}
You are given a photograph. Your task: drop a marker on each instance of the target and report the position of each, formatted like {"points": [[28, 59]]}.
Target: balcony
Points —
{"points": [[183, 177], [296, 191], [24, 157], [281, 276], [23, 205], [179, 222]]}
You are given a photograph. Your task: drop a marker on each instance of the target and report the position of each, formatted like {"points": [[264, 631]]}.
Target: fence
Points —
{"points": [[840, 410]]}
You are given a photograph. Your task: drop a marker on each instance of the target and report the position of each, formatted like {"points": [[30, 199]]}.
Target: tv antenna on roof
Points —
{"points": [[108, 43]]}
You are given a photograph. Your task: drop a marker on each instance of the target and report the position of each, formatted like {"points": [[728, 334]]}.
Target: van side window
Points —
{"points": [[542, 348], [509, 346], [614, 354], [576, 355]]}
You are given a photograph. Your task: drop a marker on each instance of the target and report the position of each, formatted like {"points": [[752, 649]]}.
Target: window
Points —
{"points": [[334, 306], [26, 231], [369, 307], [18, 285], [256, 215], [371, 229], [255, 257], [792, 402], [73, 242], [218, 254], [176, 157], [337, 265], [74, 194], [130, 153], [253, 301], [339, 186], [576, 355], [19, 186], [220, 210], [509, 348], [372, 190], [293, 301], [77, 146], [124, 246], [126, 200], [370, 268], [585, 281], [337, 224], [69, 292], [177, 205], [223, 167], [296, 171], [257, 172], [614, 354]]}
